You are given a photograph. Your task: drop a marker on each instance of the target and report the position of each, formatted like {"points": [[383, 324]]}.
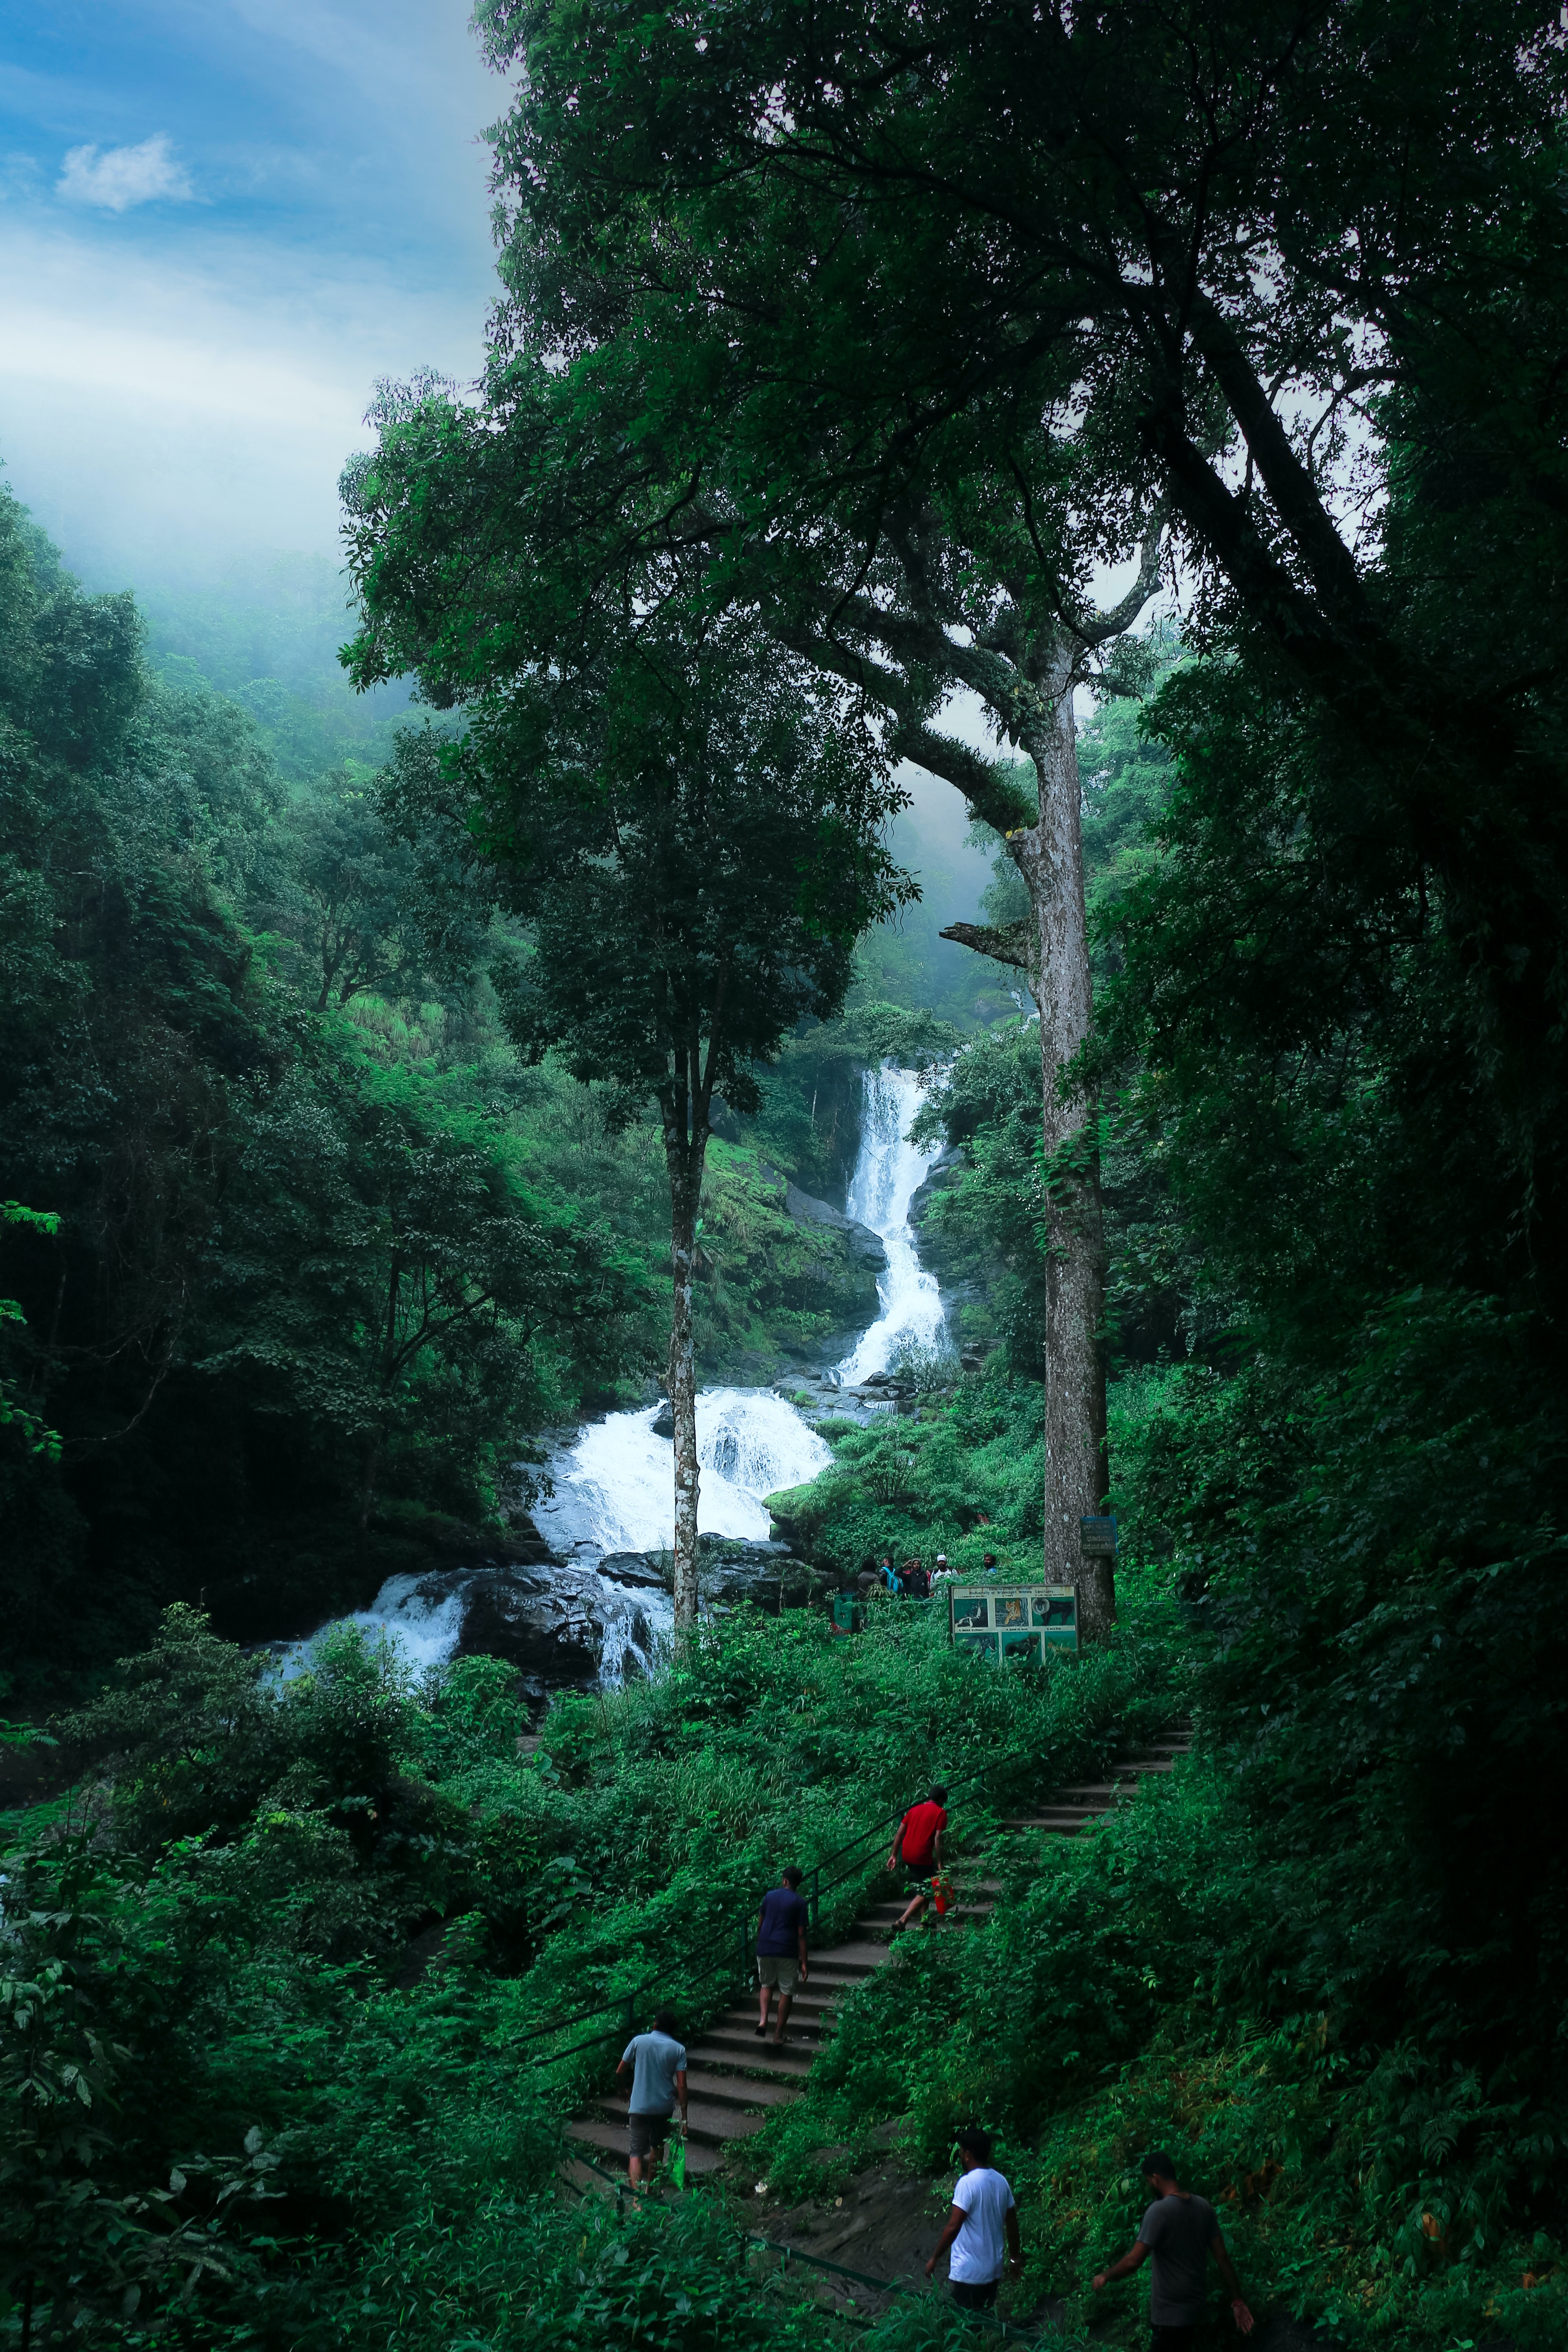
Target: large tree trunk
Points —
{"points": [[1050, 857], [684, 1158]]}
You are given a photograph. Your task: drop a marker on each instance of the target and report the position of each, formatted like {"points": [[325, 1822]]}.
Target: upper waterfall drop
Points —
{"points": [[889, 1172]]}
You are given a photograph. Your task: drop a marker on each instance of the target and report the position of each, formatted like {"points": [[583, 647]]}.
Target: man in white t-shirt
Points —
{"points": [[983, 2216]]}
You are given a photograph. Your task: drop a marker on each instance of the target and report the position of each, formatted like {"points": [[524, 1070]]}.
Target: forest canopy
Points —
{"points": [[1185, 384]]}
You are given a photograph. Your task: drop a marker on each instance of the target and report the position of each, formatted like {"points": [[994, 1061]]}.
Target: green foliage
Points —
{"points": [[964, 1478], [691, 846], [34, 1434], [266, 637], [985, 1230], [220, 1963], [283, 1260], [342, 895]]}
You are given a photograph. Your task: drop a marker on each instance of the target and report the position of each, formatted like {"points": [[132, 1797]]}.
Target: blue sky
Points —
{"points": [[219, 223]]}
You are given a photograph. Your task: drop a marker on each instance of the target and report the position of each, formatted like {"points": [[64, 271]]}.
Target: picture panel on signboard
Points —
{"points": [[1019, 1619]]}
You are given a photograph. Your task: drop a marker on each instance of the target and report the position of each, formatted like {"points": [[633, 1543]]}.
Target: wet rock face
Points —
{"points": [[582, 1625], [863, 1243], [769, 1575], [561, 1627], [547, 1623], [732, 1571]]}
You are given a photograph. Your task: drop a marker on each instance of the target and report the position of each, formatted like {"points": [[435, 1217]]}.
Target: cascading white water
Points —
{"points": [[615, 1491], [421, 1626], [888, 1174], [615, 1485]]}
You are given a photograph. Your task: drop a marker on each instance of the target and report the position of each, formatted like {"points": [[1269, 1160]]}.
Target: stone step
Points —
{"points": [[708, 2125], [608, 2144], [809, 1999], [855, 1959], [810, 2028], [737, 2090], [957, 1915], [1060, 1817], [744, 2054], [885, 1911]]}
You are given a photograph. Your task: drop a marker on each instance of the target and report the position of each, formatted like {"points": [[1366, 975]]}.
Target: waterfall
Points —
{"points": [[888, 1174], [615, 1490], [614, 1484], [418, 1616]]}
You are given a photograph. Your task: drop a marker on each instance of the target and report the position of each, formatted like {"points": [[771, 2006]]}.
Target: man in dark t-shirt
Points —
{"points": [[916, 1852], [1178, 2234], [781, 1949]]}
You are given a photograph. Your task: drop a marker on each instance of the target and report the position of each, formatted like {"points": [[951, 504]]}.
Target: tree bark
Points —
{"points": [[684, 1157], [1050, 857], [1024, 672]]}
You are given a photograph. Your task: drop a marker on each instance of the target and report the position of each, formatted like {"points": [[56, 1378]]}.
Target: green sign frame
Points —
{"points": [[1000, 1622]]}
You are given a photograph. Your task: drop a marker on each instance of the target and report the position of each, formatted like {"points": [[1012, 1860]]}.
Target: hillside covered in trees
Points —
{"points": [[412, 1056]]}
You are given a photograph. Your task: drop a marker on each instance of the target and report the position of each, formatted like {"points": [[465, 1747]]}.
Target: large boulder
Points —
{"points": [[862, 1242], [562, 1628]]}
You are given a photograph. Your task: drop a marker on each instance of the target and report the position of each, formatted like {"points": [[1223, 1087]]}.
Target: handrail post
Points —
{"points": [[816, 1899]]}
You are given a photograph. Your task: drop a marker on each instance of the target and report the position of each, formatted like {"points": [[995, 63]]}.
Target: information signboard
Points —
{"points": [[1013, 1620], [1097, 1537]]}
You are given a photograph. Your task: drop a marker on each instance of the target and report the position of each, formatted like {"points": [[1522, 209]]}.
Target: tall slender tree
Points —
{"points": [[689, 831]]}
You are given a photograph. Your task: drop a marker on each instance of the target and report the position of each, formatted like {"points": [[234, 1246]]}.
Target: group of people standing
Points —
{"points": [[1179, 2230], [879, 1579], [912, 1581]]}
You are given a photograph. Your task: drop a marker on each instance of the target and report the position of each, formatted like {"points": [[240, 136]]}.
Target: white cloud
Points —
{"points": [[117, 177]]}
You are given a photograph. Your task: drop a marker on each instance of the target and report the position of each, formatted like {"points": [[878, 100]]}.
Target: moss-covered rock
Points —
{"points": [[775, 1288]]}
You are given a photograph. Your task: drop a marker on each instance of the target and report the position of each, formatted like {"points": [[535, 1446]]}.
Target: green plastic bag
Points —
{"points": [[677, 2158]]}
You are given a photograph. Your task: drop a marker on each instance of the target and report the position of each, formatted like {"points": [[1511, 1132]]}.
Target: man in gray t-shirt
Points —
{"points": [[657, 2065], [1178, 2234]]}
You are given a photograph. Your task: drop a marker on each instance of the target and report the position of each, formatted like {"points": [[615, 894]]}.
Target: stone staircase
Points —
{"points": [[735, 2080]]}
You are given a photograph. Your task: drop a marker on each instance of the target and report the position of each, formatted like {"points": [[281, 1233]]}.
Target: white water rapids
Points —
{"points": [[615, 1491], [889, 1172], [614, 1484]]}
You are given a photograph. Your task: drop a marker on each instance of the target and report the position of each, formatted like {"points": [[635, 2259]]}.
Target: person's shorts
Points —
{"points": [[777, 1968], [972, 2297], [918, 1886], [649, 2134], [1166, 2338]]}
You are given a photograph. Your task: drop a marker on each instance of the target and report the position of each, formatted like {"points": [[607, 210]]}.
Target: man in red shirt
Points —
{"points": [[916, 1852]]}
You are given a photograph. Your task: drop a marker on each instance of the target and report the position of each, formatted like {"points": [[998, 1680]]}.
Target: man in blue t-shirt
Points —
{"points": [[657, 2062], [781, 1950]]}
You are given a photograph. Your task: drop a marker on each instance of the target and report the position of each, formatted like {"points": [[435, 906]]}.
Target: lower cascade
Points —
{"points": [[595, 1607], [614, 1488]]}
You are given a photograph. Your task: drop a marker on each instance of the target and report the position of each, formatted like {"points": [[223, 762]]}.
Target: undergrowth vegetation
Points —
{"points": [[288, 1992]]}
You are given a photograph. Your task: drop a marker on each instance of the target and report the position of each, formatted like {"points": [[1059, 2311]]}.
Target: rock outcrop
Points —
{"points": [[805, 1209]]}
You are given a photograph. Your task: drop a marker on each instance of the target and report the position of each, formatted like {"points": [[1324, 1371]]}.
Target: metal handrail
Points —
{"points": [[740, 1922]]}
